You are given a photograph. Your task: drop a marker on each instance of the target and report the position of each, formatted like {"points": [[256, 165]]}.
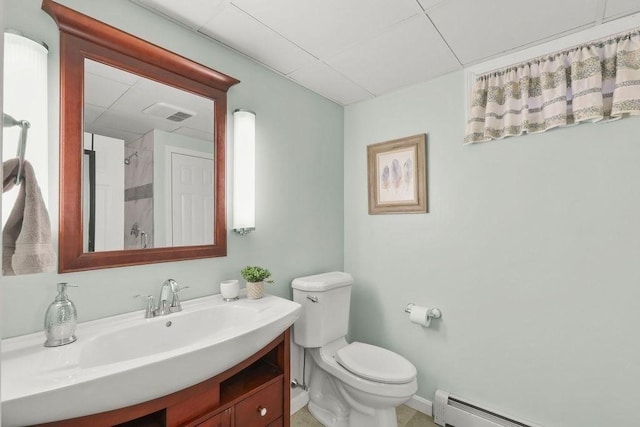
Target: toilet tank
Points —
{"points": [[325, 302]]}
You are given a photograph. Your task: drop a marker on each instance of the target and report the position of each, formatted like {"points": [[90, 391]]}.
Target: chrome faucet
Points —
{"points": [[164, 307]]}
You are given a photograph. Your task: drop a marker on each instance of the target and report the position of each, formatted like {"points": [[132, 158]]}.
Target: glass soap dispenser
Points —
{"points": [[61, 319]]}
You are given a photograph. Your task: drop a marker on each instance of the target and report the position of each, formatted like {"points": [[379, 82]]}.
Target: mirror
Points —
{"points": [[148, 163], [142, 150]]}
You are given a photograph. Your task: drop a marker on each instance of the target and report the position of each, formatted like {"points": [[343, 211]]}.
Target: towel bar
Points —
{"points": [[8, 121]]}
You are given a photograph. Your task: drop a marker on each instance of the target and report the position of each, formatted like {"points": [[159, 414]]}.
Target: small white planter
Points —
{"points": [[255, 290], [229, 290]]}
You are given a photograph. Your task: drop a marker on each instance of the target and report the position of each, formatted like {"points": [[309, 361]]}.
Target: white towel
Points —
{"points": [[26, 238]]}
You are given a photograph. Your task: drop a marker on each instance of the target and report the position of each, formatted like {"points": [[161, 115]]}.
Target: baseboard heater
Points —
{"points": [[452, 411]]}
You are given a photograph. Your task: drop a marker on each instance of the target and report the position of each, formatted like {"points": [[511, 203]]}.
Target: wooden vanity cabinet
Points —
{"points": [[254, 393], [261, 408], [222, 419]]}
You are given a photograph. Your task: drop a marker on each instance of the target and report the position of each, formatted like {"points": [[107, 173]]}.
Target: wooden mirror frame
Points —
{"points": [[84, 37]]}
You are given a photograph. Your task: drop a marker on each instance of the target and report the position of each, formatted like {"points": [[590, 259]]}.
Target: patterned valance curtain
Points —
{"points": [[592, 82]]}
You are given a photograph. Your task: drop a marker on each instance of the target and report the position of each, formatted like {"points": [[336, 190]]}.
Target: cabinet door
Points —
{"points": [[222, 419], [277, 423], [260, 408]]}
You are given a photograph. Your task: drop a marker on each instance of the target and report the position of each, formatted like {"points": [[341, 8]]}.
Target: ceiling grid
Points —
{"points": [[352, 50]]}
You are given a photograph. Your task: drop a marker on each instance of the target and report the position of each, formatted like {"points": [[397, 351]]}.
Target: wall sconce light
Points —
{"points": [[25, 100], [244, 173]]}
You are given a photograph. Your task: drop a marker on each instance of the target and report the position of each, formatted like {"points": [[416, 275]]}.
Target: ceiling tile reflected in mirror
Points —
{"points": [[123, 105]]}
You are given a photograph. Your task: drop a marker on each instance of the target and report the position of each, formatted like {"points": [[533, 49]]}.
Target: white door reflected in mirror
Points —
{"points": [[191, 199]]}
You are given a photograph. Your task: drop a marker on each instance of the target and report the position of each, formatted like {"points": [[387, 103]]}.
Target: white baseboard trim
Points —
{"points": [[421, 404], [299, 399]]}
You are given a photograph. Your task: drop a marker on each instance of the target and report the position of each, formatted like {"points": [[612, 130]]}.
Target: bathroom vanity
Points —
{"points": [[253, 393], [214, 363]]}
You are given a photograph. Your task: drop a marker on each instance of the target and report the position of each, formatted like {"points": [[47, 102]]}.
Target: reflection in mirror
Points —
{"points": [[154, 123], [149, 148], [24, 137], [89, 200]]}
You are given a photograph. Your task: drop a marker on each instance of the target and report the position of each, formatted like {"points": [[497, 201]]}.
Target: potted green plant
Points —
{"points": [[255, 277]]}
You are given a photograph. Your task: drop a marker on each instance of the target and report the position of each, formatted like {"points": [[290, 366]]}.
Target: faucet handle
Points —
{"points": [[175, 301], [150, 310]]}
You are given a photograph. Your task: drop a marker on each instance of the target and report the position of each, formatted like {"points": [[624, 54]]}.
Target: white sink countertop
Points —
{"points": [[126, 359]]}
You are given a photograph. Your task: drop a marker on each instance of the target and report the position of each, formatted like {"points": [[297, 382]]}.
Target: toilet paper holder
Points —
{"points": [[433, 313]]}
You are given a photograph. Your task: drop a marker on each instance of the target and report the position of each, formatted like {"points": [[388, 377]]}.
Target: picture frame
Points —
{"points": [[397, 176]]}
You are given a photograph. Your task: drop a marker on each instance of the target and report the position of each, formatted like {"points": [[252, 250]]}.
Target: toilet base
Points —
{"points": [[326, 417], [330, 404], [325, 403], [381, 418]]}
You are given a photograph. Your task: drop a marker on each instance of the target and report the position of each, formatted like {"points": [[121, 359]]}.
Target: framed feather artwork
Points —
{"points": [[398, 176]]}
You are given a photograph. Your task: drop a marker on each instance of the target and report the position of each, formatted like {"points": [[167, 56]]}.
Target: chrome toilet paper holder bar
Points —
{"points": [[434, 313]]}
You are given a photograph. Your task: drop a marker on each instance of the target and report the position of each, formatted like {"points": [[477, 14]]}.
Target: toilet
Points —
{"points": [[352, 384]]}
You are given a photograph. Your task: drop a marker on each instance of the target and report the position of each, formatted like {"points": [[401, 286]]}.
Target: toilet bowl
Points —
{"points": [[365, 401], [351, 385]]}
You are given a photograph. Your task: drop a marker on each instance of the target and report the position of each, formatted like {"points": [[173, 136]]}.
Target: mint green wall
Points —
{"points": [[530, 250], [299, 178], [530, 247]]}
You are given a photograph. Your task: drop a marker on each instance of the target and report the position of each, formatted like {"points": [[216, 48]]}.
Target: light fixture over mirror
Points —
{"points": [[91, 50], [25, 102], [244, 174]]}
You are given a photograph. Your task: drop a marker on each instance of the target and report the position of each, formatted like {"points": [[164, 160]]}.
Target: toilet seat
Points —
{"points": [[375, 363], [325, 358]]}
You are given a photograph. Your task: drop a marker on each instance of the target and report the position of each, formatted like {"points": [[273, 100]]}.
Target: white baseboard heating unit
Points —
{"points": [[452, 411]]}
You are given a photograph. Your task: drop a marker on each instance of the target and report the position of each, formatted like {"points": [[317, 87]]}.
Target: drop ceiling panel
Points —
{"points": [[135, 125], [91, 113], [428, 4], [325, 27], [243, 33], [102, 92], [193, 13], [175, 96], [149, 92], [327, 82], [113, 132], [349, 50], [115, 109], [135, 101], [195, 133], [109, 72], [481, 29], [411, 52], [618, 8]]}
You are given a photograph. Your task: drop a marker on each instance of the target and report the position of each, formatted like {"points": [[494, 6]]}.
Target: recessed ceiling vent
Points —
{"points": [[169, 112]]}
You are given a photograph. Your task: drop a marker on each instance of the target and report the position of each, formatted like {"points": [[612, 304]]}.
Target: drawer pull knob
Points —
{"points": [[262, 410]]}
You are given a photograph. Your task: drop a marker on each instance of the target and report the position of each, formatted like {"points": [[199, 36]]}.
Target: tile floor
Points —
{"points": [[407, 417]]}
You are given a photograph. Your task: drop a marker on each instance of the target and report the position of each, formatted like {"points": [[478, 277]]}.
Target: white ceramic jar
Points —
{"points": [[229, 289]]}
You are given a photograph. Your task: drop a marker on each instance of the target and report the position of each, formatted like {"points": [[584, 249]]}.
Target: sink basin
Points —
{"points": [[167, 333], [127, 359]]}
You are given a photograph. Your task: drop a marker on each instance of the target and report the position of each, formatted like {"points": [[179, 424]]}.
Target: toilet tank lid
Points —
{"points": [[322, 282]]}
